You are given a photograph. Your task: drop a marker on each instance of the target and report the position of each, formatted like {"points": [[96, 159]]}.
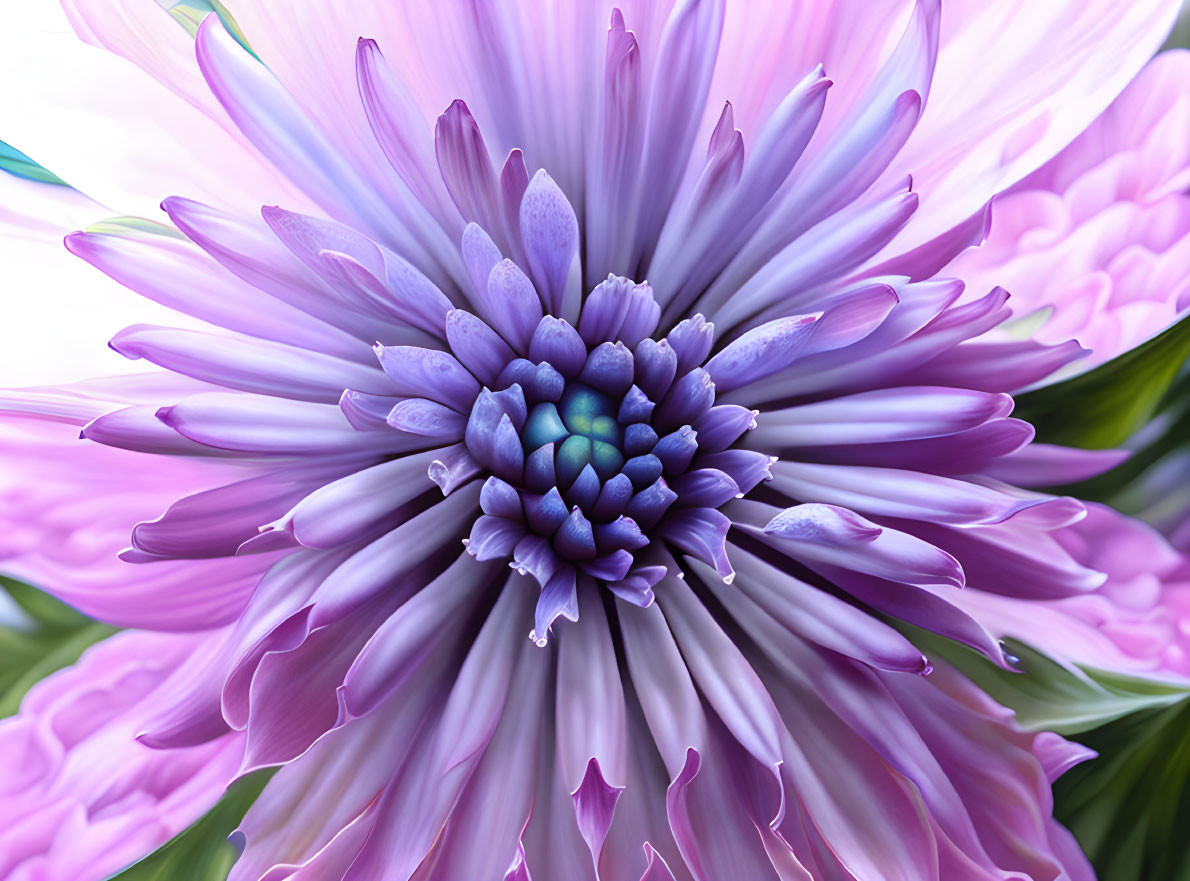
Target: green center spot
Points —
{"points": [[583, 428]]}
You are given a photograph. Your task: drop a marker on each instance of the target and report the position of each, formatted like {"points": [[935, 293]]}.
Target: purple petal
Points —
{"points": [[609, 368], [688, 398], [650, 504], [724, 676], [215, 522], [557, 343], [179, 276], [619, 309], [366, 412], [342, 256], [398, 648], [480, 256], [512, 306], [702, 533], [635, 408], [398, 125], [613, 497], [677, 449], [417, 372], [346, 509], [418, 544], [514, 180], [466, 167], [494, 538], [272, 426], [1049, 465], [508, 456], [251, 252], [247, 364], [746, 467], [838, 537], [637, 586], [691, 341], [575, 539], [884, 415], [559, 599], [476, 345], [550, 233], [535, 556], [723, 425], [642, 470], [275, 124], [591, 722], [594, 803], [428, 419], [452, 467], [656, 366], [546, 513], [620, 533], [613, 567], [547, 383], [892, 492], [656, 869], [704, 488], [822, 617], [604, 310], [138, 428], [482, 422], [539, 469], [500, 500], [585, 489], [760, 352], [639, 438]]}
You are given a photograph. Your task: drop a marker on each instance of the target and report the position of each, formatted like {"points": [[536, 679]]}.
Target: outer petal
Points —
{"points": [[79, 797], [984, 753], [142, 142], [50, 296], [995, 114], [1096, 244], [1136, 622], [70, 506]]}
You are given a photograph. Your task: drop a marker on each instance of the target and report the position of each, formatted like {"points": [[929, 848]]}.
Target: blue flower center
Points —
{"points": [[584, 430]]}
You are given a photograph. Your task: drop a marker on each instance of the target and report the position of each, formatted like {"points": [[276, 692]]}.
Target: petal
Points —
{"points": [[1003, 124], [550, 231], [249, 365], [146, 143], [884, 415], [427, 372], [272, 426], [82, 798], [819, 616], [837, 537]]}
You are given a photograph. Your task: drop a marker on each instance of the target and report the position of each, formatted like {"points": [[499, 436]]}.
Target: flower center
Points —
{"points": [[584, 431], [600, 440]]}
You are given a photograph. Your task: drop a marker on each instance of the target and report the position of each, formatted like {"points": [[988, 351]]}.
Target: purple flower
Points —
{"points": [[545, 500]]}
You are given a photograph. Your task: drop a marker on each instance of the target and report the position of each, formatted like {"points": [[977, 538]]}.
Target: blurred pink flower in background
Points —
{"points": [[1095, 245]]}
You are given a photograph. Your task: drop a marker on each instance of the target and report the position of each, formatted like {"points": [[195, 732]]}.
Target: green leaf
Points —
{"points": [[1048, 696], [1130, 808], [54, 639], [1103, 407], [17, 163], [201, 852], [1168, 435]]}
